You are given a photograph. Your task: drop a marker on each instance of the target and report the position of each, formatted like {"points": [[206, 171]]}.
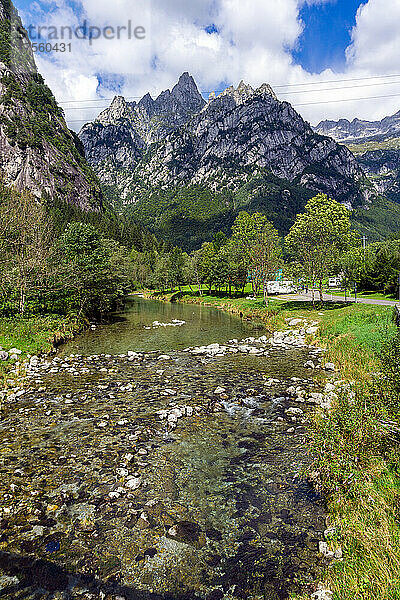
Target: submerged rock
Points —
{"points": [[185, 531]]}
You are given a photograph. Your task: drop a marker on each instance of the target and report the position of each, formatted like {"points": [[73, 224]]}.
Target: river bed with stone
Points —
{"points": [[160, 457]]}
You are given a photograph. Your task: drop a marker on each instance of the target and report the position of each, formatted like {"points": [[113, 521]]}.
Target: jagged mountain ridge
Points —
{"points": [[37, 150], [376, 145], [122, 132], [186, 172], [358, 130], [134, 146]]}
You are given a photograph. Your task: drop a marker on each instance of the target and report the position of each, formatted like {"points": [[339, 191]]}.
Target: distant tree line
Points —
{"points": [[321, 243], [56, 259]]}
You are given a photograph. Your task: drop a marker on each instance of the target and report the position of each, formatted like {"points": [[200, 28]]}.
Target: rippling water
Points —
{"points": [[102, 499]]}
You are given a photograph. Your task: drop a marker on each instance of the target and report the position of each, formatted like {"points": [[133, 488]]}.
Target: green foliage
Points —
{"points": [[189, 216], [390, 360], [93, 270], [319, 236], [258, 241], [55, 258], [377, 220], [377, 267], [5, 42], [387, 144]]}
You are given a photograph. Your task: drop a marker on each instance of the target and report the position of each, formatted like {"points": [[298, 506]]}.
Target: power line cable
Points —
{"points": [[272, 85], [285, 93], [349, 100], [305, 103]]}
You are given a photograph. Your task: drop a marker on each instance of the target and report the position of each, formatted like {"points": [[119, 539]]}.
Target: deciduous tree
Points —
{"points": [[319, 237], [258, 241]]}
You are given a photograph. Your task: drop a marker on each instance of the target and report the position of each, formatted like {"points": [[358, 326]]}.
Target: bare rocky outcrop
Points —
{"points": [[37, 150], [179, 139]]}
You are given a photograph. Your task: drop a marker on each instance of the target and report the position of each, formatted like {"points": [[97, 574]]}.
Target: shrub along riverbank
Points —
{"points": [[35, 335], [357, 460]]}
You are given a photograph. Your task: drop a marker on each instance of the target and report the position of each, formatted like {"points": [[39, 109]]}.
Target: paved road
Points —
{"points": [[329, 297]]}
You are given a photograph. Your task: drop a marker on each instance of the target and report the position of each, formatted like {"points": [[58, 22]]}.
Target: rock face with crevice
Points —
{"points": [[37, 150], [180, 140], [376, 145], [116, 142]]}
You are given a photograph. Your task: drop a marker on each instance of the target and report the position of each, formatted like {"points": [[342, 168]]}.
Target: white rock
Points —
{"points": [[170, 392], [177, 412], [323, 549], [316, 397], [164, 357], [122, 472], [312, 330], [294, 411], [134, 483], [330, 387], [323, 593], [329, 366], [219, 390]]}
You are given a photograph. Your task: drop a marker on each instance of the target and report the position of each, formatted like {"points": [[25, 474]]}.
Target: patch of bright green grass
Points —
{"points": [[34, 335]]}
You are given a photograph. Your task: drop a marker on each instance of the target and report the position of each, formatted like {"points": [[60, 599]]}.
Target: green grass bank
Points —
{"points": [[35, 335], [355, 448]]}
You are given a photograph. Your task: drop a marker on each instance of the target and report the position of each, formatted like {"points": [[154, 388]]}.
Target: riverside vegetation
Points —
{"points": [[59, 268], [59, 273]]}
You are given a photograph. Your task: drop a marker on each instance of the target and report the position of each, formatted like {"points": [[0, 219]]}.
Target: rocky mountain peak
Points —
{"points": [[187, 94], [179, 140], [118, 109], [240, 94], [244, 92], [266, 90]]}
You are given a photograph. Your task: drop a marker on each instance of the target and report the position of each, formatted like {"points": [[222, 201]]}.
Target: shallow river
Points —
{"points": [[105, 495]]}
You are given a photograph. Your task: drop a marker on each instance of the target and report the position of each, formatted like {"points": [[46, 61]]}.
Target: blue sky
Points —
{"points": [[322, 45], [326, 35], [281, 42]]}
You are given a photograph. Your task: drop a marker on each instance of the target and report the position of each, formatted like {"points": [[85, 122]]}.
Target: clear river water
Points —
{"points": [[106, 495]]}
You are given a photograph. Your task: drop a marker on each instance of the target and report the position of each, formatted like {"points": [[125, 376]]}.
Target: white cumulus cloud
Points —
{"points": [[253, 41]]}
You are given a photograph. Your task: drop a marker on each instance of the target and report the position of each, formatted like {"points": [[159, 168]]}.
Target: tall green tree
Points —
{"points": [[94, 271], [259, 243], [26, 238], [377, 267], [319, 237]]}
